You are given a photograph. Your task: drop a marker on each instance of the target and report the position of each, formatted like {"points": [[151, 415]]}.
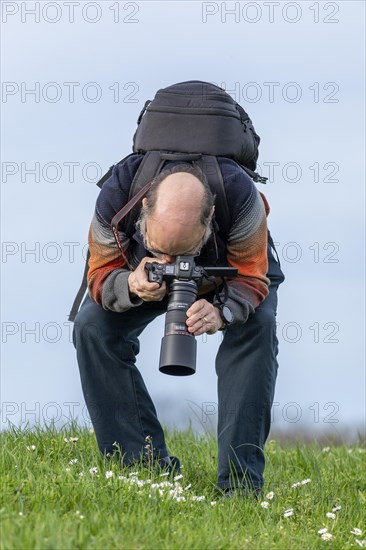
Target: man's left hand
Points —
{"points": [[203, 317]]}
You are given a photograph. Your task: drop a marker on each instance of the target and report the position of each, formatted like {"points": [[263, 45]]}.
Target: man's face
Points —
{"points": [[167, 239]]}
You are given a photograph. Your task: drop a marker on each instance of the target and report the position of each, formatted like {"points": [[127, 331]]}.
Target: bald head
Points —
{"points": [[176, 214], [180, 198]]}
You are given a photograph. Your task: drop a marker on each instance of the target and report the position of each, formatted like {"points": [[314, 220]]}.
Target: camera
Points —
{"points": [[179, 347]]}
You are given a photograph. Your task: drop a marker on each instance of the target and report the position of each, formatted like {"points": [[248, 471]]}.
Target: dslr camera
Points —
{"points": [[178, 347]]}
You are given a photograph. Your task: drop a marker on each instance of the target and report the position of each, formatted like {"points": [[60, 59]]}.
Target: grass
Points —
{"points": [[50, 500]]}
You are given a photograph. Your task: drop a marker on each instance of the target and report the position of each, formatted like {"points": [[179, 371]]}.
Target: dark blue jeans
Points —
{"points": [[121, 408]]}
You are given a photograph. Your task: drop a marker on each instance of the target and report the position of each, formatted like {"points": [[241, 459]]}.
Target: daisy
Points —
{"points": [[270, 495], [322, 531], [356, 531], [265, 504], [327, 536], [330, 515], [109, 474], [288, 513]]}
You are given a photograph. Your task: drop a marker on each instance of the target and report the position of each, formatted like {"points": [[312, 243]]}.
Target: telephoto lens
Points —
{"points": [[179, 347]]}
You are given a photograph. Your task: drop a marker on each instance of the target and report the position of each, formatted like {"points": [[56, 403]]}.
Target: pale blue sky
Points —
{"points": [[317, 213]]}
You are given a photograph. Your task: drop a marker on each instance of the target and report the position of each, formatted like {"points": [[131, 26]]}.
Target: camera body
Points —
{"points": [[178, 346], [185, 269]]}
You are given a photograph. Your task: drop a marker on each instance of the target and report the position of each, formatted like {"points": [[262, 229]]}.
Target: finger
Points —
{"points": [[197, 308], [199, 327]]}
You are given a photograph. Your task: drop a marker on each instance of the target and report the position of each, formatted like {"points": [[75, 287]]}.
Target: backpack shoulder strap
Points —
{"points": [[83, 286], [79, 296], [150, 167], [211, 168]]}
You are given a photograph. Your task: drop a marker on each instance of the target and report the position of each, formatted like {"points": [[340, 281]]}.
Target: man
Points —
{"points": [[178, 218]]}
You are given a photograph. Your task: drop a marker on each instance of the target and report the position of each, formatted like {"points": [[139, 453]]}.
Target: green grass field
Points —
{"points": [[60, 493]]}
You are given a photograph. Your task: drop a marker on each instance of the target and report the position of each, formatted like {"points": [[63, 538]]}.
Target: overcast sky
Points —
{"points": [[75, 76]]}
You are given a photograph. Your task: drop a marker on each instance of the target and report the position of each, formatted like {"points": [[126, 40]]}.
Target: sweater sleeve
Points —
{"points": [[108, 273], [247, 249]]}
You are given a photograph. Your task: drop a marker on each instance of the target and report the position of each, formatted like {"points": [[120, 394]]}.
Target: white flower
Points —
{"points": [[322, 531], [305, 481], [109, 474], [270, 495], [265, 504], [327, 536], [198, 499], [133, 474], [288, 513], [178, 477], [67, 469], [165, 484], [296, 484], [330, 515], [326, 450], [31, 447], [164, 474], [213, 503], [81, 474], [91, 431], [361, 543], [93, 471], [71, 439], [20, 513], [356, 531], [73, 461], [188, 487], [336, 508]]}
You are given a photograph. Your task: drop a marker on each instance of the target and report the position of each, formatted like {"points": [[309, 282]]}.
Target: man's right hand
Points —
{"points": [[139, 285]]}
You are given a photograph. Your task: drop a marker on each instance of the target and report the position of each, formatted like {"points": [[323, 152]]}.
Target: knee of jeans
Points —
{"points": [[86, 322]]}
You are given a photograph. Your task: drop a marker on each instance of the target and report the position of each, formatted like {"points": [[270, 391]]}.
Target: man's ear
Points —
{"points": [[212, 211], [144, 202]]}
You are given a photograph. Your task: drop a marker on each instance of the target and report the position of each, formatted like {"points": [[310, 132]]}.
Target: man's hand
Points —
{"points": [[203, 317], [139, 285]]}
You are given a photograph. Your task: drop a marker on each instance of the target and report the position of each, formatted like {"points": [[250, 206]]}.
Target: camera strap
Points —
{"points": [[212, 280], [122, 213]]}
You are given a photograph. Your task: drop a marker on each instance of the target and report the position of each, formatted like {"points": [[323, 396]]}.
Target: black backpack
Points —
{"points": [[192, 122]]}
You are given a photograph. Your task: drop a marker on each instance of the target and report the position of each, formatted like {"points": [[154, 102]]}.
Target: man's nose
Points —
{"points": [[169, 259]]}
